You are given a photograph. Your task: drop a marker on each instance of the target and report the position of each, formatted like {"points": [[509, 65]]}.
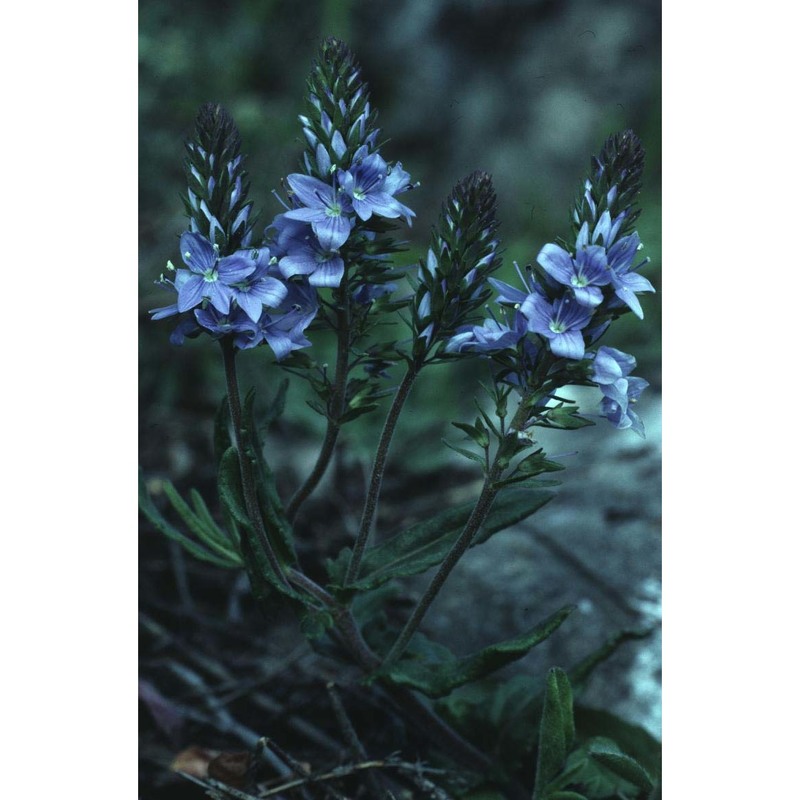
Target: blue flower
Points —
{"points": [[561, 322], [493, 335], [606, 230], [285, 333], [208, 276], [324, 207], [610, 365], [282, 329], [584, 274], [369, 292], [303, 254], [368, 186], [258, 289], [611, 372], [626, 282]]}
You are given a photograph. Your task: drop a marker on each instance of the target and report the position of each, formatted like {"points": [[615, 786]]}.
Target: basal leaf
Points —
{"points": [[556, 731], [594, 778], [434, 671], [156, 518], [632, 739], [202, 525], [624, 766]]}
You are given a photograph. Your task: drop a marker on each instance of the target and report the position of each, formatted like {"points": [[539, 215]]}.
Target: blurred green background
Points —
{"points": [[525, 90]]}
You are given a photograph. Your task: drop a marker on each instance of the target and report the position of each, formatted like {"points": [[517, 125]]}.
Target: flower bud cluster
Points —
{"points": [[452, 279], [216, 200]]}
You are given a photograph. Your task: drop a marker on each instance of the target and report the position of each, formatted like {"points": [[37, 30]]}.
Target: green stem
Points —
{"points": [[479, 513], [337, 404], [245, 465], [376, 478]]}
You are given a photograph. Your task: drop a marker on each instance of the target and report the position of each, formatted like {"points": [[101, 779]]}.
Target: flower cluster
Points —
{"points": [[347, 183], [230, 288], [570, 301]]}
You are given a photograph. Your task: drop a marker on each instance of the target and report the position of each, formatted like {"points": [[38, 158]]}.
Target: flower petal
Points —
{"points": [[235, 268], [219, 296], [311, 192], [270, 291], [190, 293], [197, 252], [557, 263], [328, 273], [250, 304], [301, 262], [589, 296], [568, 345], [333, 231]]}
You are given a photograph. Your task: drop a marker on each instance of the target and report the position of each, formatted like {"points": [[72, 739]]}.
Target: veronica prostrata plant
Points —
{"points": [[325, 261]]}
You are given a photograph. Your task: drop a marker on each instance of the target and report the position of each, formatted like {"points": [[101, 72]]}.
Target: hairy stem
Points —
{"points": [[337, 404], [479, 513], [245, 465], [376, 478]]}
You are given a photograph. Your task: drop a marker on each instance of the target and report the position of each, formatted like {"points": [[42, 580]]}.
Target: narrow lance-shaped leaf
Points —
{"points": [[580, 674], [556, 733], [259, 569], [437, 678], [626, 767], [156, 518], [425, 544], [202, 525]]}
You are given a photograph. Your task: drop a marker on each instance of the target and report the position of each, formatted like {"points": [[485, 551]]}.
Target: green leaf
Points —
{"points": [[624, 766], [314, 623], [477, 434], [632, 739], [500, 717], [556, 732], [425, 544], [226, 538], [565, 795], [202, 525], [156, 518], [229, 484], [431, 668], [579, 675], [479, 459], [596, 780], [256, 561]]}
